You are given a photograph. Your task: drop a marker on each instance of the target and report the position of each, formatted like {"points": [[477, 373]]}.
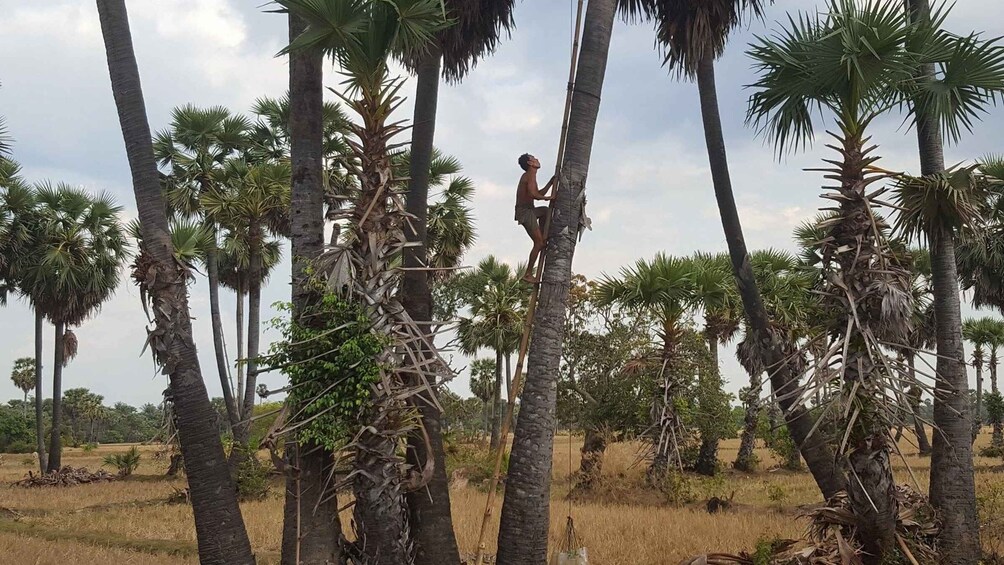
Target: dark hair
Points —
{"points": [[524, 161]]}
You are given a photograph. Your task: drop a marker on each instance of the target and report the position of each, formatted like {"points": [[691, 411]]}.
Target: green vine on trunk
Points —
{"points": [[329, 355]]}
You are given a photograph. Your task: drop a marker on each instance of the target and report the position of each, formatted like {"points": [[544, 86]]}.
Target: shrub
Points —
{"points": [[126, 462], [89, 447], [252, 479]]}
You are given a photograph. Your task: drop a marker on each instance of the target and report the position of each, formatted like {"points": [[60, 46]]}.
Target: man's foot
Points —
{"points": [[529, 278]]}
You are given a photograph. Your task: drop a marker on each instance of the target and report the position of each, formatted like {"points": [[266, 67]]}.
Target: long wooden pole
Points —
{"points": [[531, 307]]}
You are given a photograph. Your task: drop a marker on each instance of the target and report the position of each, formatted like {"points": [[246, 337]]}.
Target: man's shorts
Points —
{"points": [[529, 217]]}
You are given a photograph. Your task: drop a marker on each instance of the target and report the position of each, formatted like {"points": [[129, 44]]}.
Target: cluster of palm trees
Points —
{"points": [[986, 334], [62, 250]]}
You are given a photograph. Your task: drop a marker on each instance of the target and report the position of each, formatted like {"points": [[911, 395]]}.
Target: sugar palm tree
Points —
{"points": [[497, 302], [824, 62], [23, 377], [79, 249], [523, 532], [475, 32], [193, 150], [252, 202], [361, 36], [716, 295], [979, 333], [219, 526], [996, 342], [666, 287]]}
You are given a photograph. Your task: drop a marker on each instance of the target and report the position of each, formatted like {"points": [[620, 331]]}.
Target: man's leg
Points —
{"points": [[535, 233]]}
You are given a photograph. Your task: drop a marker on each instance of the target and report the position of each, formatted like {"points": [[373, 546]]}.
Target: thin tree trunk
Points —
{"points": [[55, 447], [219, 527], [978, 415], [953, 488], [429, 508], [311, 529], [496, 401], [508, 377], [997, 440], [242, 296], [212, 272], [923, 445], [256, 239], [783, 377], [43, 461], [525, 519]]}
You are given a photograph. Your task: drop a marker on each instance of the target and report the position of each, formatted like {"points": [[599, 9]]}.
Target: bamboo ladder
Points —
{"points": [[531, 308]]}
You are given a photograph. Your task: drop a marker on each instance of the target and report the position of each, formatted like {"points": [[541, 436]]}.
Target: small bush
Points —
{"points": [[474, 463], [992, 451], [20, 447], [677, 488], [252, 480], [776, 493], [126, 463], [89, 447]]}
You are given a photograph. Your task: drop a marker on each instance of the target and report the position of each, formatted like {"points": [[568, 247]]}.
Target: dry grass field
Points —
{"points": [[130, 521]]}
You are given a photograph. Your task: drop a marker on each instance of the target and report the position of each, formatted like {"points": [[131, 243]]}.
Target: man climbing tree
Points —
{"points": [[531, 217]]}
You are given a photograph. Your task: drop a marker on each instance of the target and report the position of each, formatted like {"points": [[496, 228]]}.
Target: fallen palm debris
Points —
{"points": [[65, 477], [830, 537]]}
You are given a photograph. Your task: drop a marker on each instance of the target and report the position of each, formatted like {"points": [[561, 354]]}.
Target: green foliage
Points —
{"points": [[779, 441], [775, 493], [994, 404], [89, 447], [252, 479], [16, 432], [678, 488], [331, 362], [473, 462], [125, 463]]}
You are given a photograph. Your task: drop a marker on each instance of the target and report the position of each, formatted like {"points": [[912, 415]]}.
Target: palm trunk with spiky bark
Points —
{"points": [[997, 440], [311, 529], [431, 516], [525, 519], [707, 456], [953, 487], [55, 446], [784, 375], [240, 324], [219, 526], [39, 401], [744, 459]]}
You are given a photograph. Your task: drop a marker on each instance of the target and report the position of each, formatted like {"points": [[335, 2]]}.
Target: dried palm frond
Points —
{"points": [[69, 346]]}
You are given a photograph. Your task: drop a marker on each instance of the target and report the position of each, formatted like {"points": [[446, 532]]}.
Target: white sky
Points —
{"points": [[649, 185]]}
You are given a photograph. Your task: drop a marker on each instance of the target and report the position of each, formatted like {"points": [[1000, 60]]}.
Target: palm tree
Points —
{"points": [[921, 338], [979, 333], [996, 341], [666, 287], [525, 515], [219, 526], [474, 34], [496, 299], [252, 203], [194, 150], [79, 249], [23, 377], [716, 294], [362, 35]]}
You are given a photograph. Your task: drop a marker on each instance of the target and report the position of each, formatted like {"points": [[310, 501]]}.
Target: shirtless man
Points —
{"points": [[532, 218]]}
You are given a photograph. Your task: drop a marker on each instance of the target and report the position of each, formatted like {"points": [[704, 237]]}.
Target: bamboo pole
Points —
{"points": [[531, 308]]}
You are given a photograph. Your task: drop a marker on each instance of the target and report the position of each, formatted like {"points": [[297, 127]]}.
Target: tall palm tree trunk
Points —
{"points": [[212, 272], [39, 401], [497, 401], [241, 437], [508, 377], [525, 519], [923, 445], [431, 517], [978, 415], [219, 527], [783, 377], [55, 447], [953, 487], [998, 434], [240, 324], [311, 529]]}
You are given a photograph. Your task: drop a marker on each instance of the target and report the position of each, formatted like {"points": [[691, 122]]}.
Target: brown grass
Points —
{"points": [[621, 524]]}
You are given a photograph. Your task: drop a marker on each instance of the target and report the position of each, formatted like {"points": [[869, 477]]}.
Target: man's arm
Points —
{"points": [[550, 184], [531, 186]]}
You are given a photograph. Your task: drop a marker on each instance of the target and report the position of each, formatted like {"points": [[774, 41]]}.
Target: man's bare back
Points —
{"points": [[531, 217]]}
